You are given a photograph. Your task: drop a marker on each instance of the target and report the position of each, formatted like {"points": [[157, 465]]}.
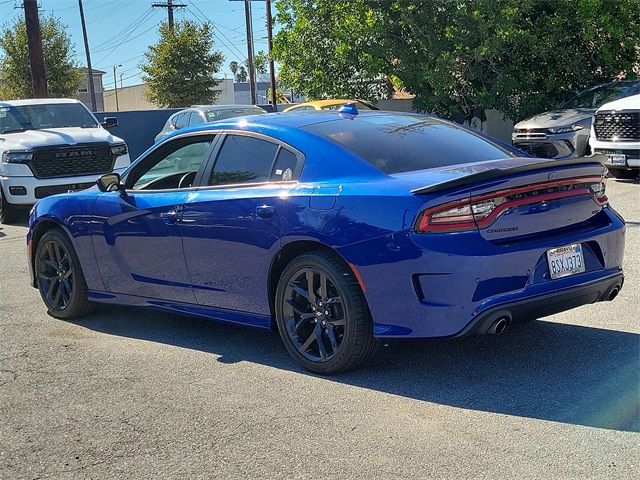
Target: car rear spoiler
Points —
{"points": [[500, 172]]}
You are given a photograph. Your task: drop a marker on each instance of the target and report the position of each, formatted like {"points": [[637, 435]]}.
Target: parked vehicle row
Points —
{"points": [[51, 146], [564, 132]]}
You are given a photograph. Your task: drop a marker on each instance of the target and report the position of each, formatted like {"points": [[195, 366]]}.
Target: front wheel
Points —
{"points": [[322, 315], [60, 278]]}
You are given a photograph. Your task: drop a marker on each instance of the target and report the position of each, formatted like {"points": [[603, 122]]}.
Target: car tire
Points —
{"points": [[59, 275], [8, 213], [329, 330]]}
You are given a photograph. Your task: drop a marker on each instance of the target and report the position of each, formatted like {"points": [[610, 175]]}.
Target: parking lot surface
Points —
{"points": [[131, 393]]}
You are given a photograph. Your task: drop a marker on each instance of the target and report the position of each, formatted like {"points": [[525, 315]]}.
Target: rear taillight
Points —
{"points": [[483, 210], [597, 190]]}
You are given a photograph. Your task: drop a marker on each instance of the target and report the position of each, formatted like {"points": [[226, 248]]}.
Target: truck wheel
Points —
{"points": [[8, 213]]}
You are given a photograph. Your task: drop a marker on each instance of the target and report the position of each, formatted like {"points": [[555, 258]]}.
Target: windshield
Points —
{"points": [[599, 96], [40, 117], [214, 115], [401, 143]]}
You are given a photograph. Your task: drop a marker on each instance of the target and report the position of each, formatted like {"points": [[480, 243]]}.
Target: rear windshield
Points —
{"points": [[403, 143]]}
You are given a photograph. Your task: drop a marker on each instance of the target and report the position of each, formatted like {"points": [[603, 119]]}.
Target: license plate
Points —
{"points": [[618, 159], [565, 261]]}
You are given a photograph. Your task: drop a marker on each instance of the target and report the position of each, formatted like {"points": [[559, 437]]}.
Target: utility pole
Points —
{"points": [[115, 86], [252, 78], [36, 57], [272, 70], [92, 90], [169, 6]]}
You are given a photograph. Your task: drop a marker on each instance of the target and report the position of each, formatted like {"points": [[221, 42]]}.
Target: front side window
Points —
{"points": [[195, 119], [243, 159], [174, 165], [214, 115], [44, 116]]}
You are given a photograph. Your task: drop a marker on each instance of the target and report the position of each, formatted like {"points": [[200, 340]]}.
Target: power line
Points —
{"points": [[214, 33]]}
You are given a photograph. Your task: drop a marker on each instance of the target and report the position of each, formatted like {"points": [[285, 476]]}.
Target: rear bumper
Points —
{"points": [[543, 305]]}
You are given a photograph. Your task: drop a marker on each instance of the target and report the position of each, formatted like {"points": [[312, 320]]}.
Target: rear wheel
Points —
{"points": [[8, 213], [322, 315], [60, 278]]}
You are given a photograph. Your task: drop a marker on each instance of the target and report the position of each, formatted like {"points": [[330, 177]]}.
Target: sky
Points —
{"points": [[119, 31]]}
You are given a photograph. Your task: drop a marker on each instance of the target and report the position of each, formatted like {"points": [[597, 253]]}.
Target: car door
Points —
{"points": [[232, 228], [139, 245]]}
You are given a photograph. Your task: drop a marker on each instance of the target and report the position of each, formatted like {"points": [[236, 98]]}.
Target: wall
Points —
{"points": [[83, 92], [133, 97], [139, 128]]}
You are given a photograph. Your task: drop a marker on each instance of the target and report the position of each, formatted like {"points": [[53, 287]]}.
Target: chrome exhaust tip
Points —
{"points": [[613, 293], [498, 326]]}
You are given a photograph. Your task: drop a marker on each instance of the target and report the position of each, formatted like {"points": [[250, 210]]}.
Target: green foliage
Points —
{"points": [[63, 76], [179, 70], [332, 49], [517, 56], [261, 62], [459, 57]]}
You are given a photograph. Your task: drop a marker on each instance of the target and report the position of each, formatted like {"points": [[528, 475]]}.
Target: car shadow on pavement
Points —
{"points": [[545, 370]]}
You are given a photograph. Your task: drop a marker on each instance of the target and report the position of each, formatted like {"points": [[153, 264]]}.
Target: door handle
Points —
{"points": [[170, 217], [265, 211]]}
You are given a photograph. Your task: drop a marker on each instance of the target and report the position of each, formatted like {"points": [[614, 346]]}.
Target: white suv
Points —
{"points": [[615, 132], [50, 146]]}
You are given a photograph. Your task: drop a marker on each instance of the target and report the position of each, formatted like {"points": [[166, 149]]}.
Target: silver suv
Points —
{"points": [[199, 114], [564, 133]]}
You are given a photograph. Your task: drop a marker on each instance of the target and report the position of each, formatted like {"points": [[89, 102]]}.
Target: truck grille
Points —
{"points": [[617, 126], [62, 161]]}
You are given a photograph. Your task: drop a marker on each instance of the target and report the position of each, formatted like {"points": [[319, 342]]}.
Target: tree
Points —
{"points": [[333, 49], [260, 62], [459, 57], [242, 74], [233, 66], [179, 70], [517, 56], [63, 75]]}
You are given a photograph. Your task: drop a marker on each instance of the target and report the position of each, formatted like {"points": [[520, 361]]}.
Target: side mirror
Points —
{"points": [[109, 122], [110, 182]]}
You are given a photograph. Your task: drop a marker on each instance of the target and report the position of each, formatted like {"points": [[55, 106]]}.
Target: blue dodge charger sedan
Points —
{"points": [[336, 229]]}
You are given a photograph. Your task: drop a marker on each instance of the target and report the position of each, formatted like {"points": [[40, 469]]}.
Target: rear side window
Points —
{"points": [[243, 159], [402, 143], [285, 167]]}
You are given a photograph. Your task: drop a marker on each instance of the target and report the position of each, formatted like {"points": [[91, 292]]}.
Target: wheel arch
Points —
{"points": [[292, 250]]}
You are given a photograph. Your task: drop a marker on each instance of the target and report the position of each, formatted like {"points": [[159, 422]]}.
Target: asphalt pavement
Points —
{"points": [[134, 394]]}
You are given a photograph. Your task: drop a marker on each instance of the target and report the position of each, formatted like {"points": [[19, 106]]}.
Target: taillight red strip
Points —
{"points": [[423, 225]]}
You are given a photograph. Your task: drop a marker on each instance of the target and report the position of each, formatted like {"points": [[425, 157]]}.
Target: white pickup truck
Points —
{"points": [[615, 132], [50, 146]]}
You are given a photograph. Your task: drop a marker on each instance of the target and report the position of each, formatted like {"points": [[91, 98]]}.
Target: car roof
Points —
{"points": [[280, 121], [37, 101], [212, 108], [327, 103]]}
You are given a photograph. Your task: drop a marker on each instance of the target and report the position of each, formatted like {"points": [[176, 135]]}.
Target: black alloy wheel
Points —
{"points": [[322, 315], [59, 276]]}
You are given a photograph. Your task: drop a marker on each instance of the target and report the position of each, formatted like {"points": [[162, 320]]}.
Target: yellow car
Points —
{"points": [[333, 104]]}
